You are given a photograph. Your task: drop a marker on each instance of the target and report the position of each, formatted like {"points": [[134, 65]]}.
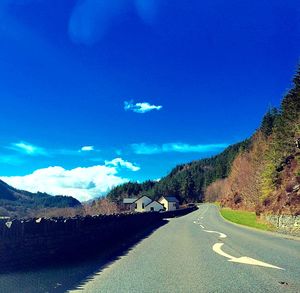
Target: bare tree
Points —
{"points": [[102, 206]]}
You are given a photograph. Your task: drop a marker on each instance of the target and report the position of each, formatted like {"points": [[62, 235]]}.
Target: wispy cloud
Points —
{"points": [[140, 108], [150, 149], [28, 149], [88, 148], [81, 183], [119, 162]]}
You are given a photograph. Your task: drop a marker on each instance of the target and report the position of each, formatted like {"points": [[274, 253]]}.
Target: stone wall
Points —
{"points": [[39, 241], [285, 223], [35, 242]]}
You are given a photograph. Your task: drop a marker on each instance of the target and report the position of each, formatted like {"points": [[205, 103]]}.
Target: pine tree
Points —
{"points": [[268, 121], [291, 103]]}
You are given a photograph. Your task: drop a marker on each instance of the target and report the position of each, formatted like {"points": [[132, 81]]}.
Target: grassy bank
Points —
{"points": [[245, 218]]}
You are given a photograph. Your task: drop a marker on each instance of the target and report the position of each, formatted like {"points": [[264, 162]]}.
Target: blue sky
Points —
{"points": [[95, 93]]}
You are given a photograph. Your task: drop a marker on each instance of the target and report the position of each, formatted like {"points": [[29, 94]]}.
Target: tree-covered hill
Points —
{"points": [[186, 181], [266, 177], [261, 173], [18, 203]]}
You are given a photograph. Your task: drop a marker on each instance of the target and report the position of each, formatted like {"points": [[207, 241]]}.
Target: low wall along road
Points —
{"points": [[285, 223], [36, 242]]}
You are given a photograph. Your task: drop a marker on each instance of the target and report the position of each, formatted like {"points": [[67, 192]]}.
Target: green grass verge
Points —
{"points": [[245, 218]]}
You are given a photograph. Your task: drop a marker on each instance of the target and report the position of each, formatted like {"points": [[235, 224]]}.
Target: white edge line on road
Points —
{"points": [[217, 248], [197, 223]]}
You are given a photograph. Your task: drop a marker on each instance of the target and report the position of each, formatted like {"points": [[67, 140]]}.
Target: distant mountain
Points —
{"points": [[19, 203]]}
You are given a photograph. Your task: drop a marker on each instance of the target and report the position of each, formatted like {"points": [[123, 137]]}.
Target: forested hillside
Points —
{"points": [[187, 181], [19, 203], [261, 173], [266, 177]]}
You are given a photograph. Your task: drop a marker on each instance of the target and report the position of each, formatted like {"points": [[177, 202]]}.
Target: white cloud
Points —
{"points": [[81, 183], [87, 148], [140, 108], [119, 162], [28, 149], [149, 149], [33, 150]]}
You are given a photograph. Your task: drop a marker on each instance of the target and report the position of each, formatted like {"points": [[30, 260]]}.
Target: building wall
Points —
{"points": [[173, 206], [141, 203], [170, 206], [155, 205], [165, 203], [127, 207]]}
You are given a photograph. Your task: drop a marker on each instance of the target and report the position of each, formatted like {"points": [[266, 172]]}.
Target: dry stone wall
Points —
{"points": [[285, 223], [35, 242], [39, 241]]}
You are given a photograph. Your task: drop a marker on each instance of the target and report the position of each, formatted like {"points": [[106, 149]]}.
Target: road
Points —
{"points": [[201, 252]]}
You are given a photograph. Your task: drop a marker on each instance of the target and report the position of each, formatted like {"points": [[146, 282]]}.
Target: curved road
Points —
{"points": [[201, 252]]}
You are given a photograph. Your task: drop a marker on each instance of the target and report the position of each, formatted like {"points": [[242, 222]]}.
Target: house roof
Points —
{"points": [[142, 197], [154, 202], [129, 200], [170, 198]]}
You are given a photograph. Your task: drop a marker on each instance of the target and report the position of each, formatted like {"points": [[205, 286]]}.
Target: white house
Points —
{"points": [[170, 203], [141, 203], [154, 206], [146, 204]]}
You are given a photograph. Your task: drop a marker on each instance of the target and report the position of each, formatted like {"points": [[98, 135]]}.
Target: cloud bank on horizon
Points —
{"points": [[81, 183], [140, 108]]}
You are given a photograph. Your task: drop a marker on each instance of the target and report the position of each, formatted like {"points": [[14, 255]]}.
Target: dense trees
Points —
{"points": [[269, 170], [244, 184], [215, 190], [130, 189], [269, 121], [187, 181], [283, 137]]}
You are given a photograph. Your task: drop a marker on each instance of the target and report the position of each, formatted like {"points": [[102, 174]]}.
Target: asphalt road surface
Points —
{"points": [[201, 252]]}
